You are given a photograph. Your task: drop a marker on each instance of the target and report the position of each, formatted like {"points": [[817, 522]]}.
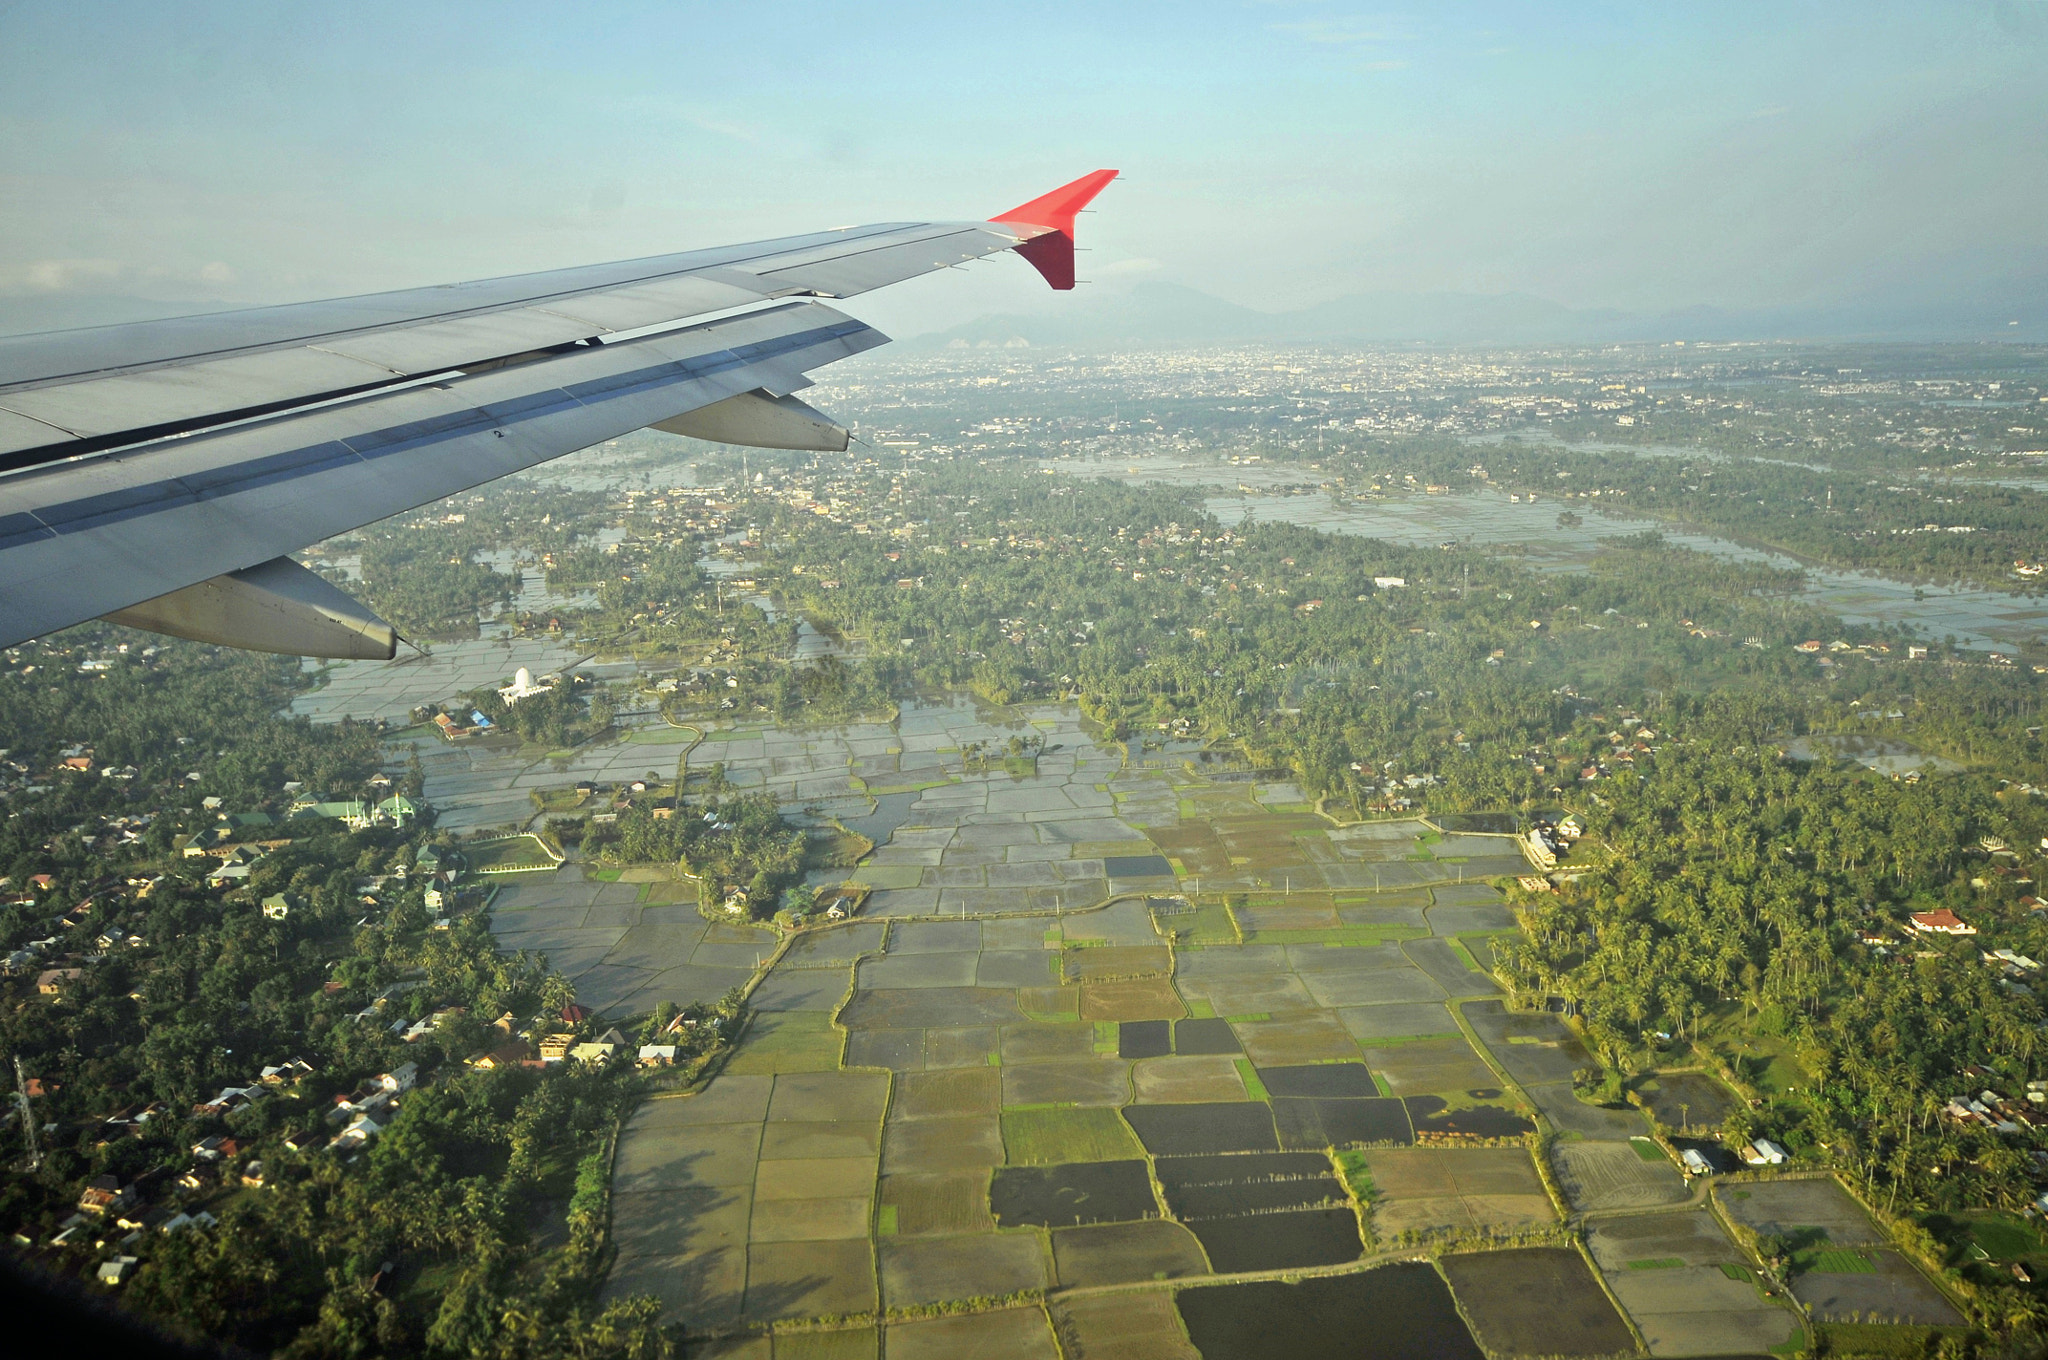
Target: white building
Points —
{"points": [[523, 686]]}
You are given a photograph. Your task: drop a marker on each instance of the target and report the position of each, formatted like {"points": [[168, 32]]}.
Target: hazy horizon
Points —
{"points": [[1277, 155]]}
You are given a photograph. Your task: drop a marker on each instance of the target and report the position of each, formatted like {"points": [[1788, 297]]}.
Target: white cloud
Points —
{"points": [[216, 272], [62, 276]]}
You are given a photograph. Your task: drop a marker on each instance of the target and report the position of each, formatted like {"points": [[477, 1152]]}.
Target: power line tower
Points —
{"points": [[28, 1118]]}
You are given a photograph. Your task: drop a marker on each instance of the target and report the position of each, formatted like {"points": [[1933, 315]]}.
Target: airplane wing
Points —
{"points": [[158, 474]]}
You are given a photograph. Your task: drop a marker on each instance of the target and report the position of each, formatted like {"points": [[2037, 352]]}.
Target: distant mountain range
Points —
{"points": [[1154, 315], [1164, 314]]}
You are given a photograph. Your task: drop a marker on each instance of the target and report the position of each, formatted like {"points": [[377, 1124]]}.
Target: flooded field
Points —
{"points": [[1103, 1021], [1528, 527], [1690, 1102], [1391, 1313], [392, 689], [1876, 753], [1058, 1024], [1539, 1301]]}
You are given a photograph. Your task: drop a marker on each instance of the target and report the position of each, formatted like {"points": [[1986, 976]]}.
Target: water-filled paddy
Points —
{"points": [[982, 1091], [1144, 1039], [1487, 518], [1289, 1240], [1204, 1036], [1341, 1122], [1189, 1130], [1431, 1115], [1391, 1313], [1686, 1101], [1319, 1079], [1071, 1195], [1537, 1301], [1123, 1253]]}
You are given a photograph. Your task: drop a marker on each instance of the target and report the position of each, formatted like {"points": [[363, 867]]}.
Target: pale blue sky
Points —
{"points": [[1630, 156]]}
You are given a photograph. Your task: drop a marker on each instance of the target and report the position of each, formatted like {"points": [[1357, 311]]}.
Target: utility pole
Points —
{"points": [[28, 1117]]}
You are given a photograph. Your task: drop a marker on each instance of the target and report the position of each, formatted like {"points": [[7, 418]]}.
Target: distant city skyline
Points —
{"points": [[1737, 157]]}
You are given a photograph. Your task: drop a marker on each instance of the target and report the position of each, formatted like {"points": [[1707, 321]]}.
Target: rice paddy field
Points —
{"points": [[1842, 1271], [1046, 1098]]}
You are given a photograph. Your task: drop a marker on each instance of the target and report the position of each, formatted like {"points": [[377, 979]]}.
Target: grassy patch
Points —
{"points": [[606, 875], [1648, 1150], [1357, 1174], [880, 789], [2003, 1237], [1106, 1037], [1249, 1017], [509, 855], [787, 1041], [1659, 1263], [1252, 1085], [1878, 1339], [1201, 1010], [1835, 1261], [1335, 936], [1736, 1272], [1465, 955], [1049, 1005], [1047, 1137], [885, 1220], [661, 736]]}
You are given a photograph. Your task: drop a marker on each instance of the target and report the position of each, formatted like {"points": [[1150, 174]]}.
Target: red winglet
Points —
{"points": [[1051, 251]]}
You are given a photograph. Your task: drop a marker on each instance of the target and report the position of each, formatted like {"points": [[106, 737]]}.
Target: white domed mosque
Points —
{"points": [[523, 686]]}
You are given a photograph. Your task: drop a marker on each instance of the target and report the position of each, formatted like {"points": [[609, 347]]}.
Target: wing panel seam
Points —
{"points": [[112, 507]]}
